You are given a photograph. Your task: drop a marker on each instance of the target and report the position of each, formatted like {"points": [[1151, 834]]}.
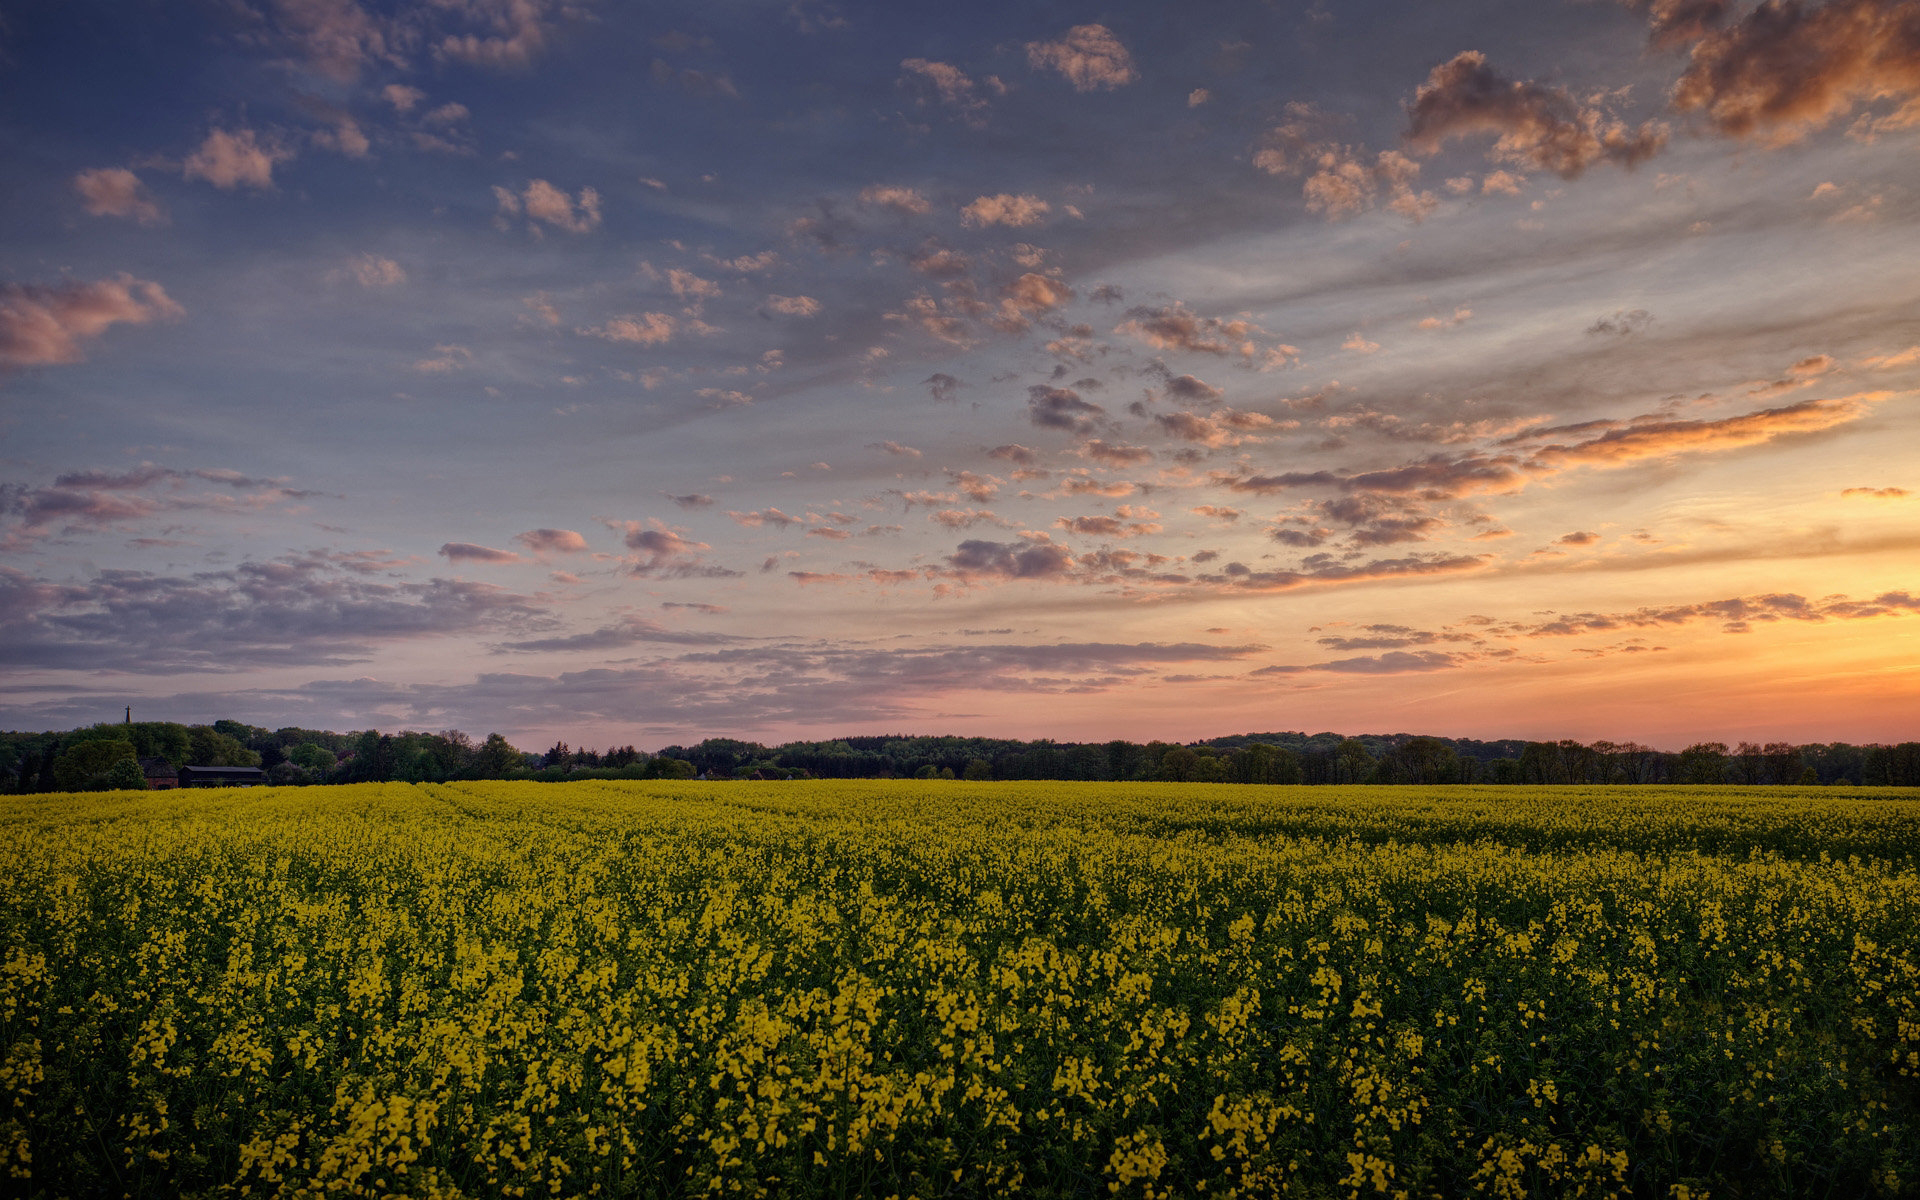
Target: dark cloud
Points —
{"points": [[288, 612], [1015, 453], [975, 559], [1114, 455], [469, 552], [1737, 614], [628, 631], [1622, 322], [1536, 127], [690, 500], [943, 387], [1190, 390], [1396, 662], [741, 688], [1382, 637], [1061, 408], [94, 500]]}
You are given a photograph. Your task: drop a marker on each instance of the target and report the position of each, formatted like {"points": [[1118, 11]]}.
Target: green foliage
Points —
{"points": [[208, 747], [312, 758], [80, 763], [124, 775]]}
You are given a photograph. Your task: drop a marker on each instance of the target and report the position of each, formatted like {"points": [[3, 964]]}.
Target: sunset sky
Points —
{"points": [[638, 373]]}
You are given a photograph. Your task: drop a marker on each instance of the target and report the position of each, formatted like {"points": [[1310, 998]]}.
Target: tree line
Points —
{"points": [[110, 755]]}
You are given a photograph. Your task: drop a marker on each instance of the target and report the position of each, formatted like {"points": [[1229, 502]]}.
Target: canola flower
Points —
{"points": [[951, 989]]}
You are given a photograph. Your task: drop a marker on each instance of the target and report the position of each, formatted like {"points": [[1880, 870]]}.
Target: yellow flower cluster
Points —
{"points": [[958, 989]]}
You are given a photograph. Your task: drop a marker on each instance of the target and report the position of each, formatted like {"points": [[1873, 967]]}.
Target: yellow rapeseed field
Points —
{"points": [[958, 989]]}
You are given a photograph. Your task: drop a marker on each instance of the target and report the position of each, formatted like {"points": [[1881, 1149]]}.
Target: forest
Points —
{"points": [[131, 754]]}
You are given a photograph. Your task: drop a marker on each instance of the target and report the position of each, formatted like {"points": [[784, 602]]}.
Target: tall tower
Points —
{"points": [[129, 714]]}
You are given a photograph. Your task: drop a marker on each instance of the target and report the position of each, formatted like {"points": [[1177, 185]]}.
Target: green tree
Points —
{"points": [[124, 775], [1702, 762], [662, 767], [80, 763], [212, 748], [978, 770], [1351, 762], [1178, 764], [312, 757], [497, 757]]}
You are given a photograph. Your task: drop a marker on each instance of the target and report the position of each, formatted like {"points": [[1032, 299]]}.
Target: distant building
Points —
{"points": [[159, 773], [222, 777]]}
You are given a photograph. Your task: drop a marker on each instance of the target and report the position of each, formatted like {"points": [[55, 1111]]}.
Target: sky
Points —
{"points": [[790, 369]]}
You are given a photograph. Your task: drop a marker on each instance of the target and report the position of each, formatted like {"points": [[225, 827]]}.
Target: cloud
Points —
{"points": [[943, 387], [665, 553], [552, 541], [1033, 293], [1090, 57], [1190, 390], [627, 631], [1904, 358], [1396, 662], [794, 306], [297, 610], [1580, 537], [1737, 614], [469, 552], [506, 34], [118, 192], [46, 324], [1621, 322], [693, 82], [1105, 526], [1530, 455], [1357, 342], [231, 160], [444, 359], [1535, 127], [1664, 439], [947, 85], [91, 501], [1061, 408], [1005, 209], [691, 500], [1219, 512], [766, 516], [975, 559], [541, 201], [374, 271], [1174, 327], [964, 518], [903, 200], [1784, 70], [645, 329], [1460, 317], [1879, 493], [1343, 183], [1115, 455], [402, 97], [894, 448], [1224, 428]]}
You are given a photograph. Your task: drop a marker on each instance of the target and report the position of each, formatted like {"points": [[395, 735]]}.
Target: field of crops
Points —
{"points": [[932, 989]]}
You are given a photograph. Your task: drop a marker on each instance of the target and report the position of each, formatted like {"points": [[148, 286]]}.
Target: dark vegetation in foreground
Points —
{"points": [[140, 754]]}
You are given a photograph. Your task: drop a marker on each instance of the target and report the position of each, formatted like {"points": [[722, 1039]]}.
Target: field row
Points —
{"points": [[961, 989]]}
